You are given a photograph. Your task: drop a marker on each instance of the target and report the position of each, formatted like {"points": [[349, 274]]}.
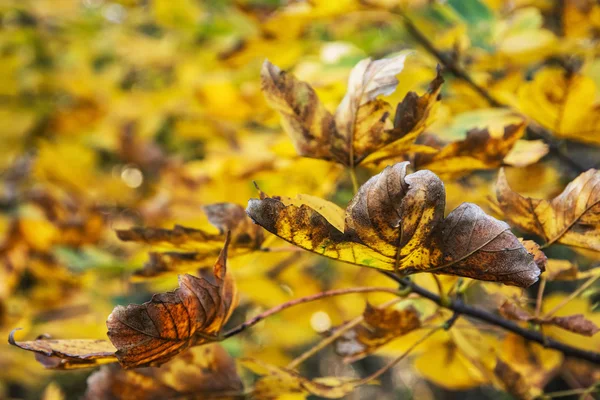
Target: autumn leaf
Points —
{"points": [[380, 326], [68, 354], [513, 381], [576, 323], [396, 221], [361, 125], [479, 150], [193, 314], [200, 245], [277, 381], [563, 102], [571, 218], [199, 372]]}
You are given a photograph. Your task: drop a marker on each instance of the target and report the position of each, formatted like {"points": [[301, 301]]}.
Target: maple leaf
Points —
{"points": [[156, 331], [571, 218], [206, 371], [361, 125], [396, 222], [380, 326]]}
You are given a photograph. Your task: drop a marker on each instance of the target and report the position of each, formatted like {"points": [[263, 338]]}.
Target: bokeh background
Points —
{"points": [[127, 113]]}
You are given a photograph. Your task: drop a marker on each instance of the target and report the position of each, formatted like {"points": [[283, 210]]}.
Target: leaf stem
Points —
{"points": [[573, 295], [352, 172], [329, 293], [335, 335], [461, 308]]}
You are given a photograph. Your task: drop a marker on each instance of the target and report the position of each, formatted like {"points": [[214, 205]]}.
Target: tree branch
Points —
{"points": [[534, 130], [461, 308]]}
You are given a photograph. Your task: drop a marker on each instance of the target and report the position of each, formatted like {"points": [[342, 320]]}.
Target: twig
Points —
{"points": [[485, 316], [301, 300]]}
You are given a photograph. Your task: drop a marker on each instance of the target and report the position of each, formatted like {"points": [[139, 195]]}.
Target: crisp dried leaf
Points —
{"points": [[571, 218], [277, 381], [68, 354], [396, 221], [197, 373], [479, 150], [156, 331], [362, 124], [510, 311], [380, 326]]}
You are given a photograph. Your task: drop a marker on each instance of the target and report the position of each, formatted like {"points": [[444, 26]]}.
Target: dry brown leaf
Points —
{"points": [[277, 381], [361, 125], [396, 221], [380, 326], [571, 218], [156, 331], [200, 246], [68, 354], [206, 372], [479, 150]]}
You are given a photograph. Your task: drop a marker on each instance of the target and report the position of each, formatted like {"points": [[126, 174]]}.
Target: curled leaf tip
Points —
{"points": [[11, 336]]}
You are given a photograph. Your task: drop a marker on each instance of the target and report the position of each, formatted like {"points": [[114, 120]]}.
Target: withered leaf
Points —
{"points": [[571, 218], [206, 372], [576, 323], [154, 332], [380, 326], [199, 246], [479, 150], [69, 353], [277, 381], [396, 221], [362, 123]]}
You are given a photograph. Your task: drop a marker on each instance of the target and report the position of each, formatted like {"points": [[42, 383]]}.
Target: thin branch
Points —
{"points": [[573, 295], [329, 293], [534, 130], [486, 316]]}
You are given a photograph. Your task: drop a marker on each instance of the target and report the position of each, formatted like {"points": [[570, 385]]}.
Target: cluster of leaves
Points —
{"points": [[133, 131]]}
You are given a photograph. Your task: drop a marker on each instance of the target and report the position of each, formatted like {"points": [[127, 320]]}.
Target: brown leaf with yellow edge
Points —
{"points": [[396, 221], [572, 218], [479, 150], [154, 332], [69, 353], [564, 103], [201, 246], [206, 372], [380, 326], [276, 381], [361, 125]]}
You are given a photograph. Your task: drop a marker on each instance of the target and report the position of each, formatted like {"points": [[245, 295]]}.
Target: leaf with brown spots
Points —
{"points": [[200, 246], [396, 221], [480, 150], [361, 126], [276, 381], [156, 331], [380, 326], [572, 218], [206, 372], [512, 381], [68, 354]]}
